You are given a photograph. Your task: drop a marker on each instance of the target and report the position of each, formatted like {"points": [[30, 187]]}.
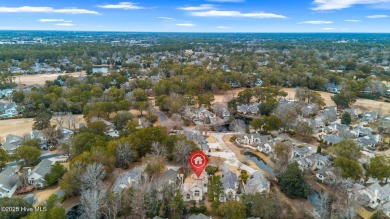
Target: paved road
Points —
{"points": [[162, 116]]}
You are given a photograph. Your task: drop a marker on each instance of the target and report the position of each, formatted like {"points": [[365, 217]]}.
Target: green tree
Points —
{"points": [[268, 106], [13, 203], [176, 206], [206, 99], [349, 168], [120, 120], [344, 99], [346, 148], [210, 170], [98, 128], [379, 168], [244, 176], [32, 142], [245, 96], [214, 191], [56, 172], [4, 158], [232, 210], [346, 118], [257, 124], [271, 123], [42, 121], [292, 182], [84, 141], [29, 154]]}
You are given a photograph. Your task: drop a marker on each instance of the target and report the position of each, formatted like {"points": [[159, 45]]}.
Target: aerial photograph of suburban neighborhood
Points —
{"points": [[195, 109]]}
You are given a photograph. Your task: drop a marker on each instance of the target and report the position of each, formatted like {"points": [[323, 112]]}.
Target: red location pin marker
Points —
{"points": [[198, 162]]}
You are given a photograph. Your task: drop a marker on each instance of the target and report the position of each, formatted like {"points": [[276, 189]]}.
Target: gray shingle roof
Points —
{"points": [[229, 180], [198, 216], [7, 178], [256, 183], [43, 167]]}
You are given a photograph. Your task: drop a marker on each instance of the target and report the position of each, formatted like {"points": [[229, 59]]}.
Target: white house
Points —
{"points": [[194, 187]]}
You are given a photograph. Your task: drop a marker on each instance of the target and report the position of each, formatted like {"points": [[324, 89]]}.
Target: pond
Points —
{"points": [[259, 162]]}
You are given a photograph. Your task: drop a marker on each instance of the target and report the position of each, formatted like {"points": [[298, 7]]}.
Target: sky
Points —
{"points": [[197, 15]]}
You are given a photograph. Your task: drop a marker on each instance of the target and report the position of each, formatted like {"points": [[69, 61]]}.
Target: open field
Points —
{"points": [[39, 79], [361, 104], [24, 125]]}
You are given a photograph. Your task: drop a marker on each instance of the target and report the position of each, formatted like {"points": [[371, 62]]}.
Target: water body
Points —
{"points": [[260, 163]]}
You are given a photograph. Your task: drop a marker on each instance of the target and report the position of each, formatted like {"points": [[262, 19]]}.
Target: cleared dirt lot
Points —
{"points": [[39, 79], [23, 126], [361, 104]]}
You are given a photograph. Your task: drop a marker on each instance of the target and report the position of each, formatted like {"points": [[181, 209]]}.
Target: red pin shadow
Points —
{"points": [[198, 162]]}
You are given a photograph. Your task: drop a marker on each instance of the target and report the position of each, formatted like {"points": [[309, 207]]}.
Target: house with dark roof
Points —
{"points": [[230, 186], [8, 181], [248, 108], [257, 183], [369, 142], [8, 109]]}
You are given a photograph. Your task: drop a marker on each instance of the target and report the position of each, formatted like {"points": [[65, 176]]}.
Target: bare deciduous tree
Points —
{"points": [[93, 176], [124, 154], [91, 200], [158, 149], [181, 152]]}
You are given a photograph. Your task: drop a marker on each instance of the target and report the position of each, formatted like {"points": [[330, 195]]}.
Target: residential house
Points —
{"points": [[384, 124], [253, 139], [199, 139], [6, 93], [248, 108], [257, 183], [300, 152], [266, 147], [11, 142], [111, 127], [132, 178], [169, 177], [326, 175], [8, 109], [318, 161], [369, 142], [66, 133], [198, 216], [36, 176], [353, 112], [8, 181], [363, 131], [386, 207], [259, 82], [230, 185], [331, 139], [369, 117], [377, 194], [194, 187], [38, 134], [336, 128]]}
